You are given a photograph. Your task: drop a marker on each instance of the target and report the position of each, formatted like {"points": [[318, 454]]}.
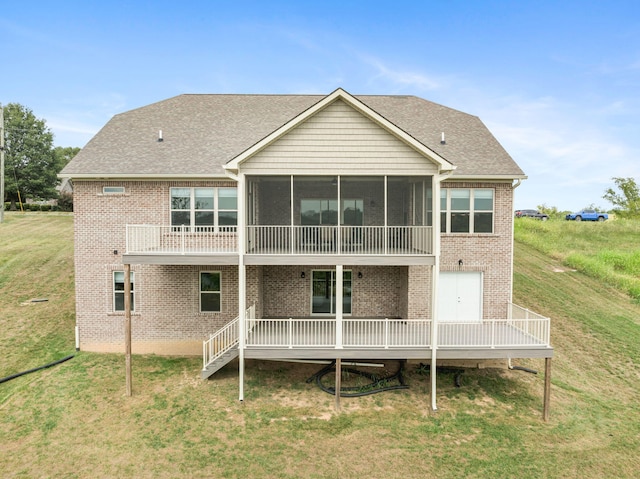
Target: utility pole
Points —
{"points": [[1, 163]]}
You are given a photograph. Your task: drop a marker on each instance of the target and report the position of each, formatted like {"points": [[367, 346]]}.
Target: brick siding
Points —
{"points": [[167, 320]]}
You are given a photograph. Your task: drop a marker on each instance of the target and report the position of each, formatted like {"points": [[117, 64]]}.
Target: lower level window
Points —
{"points": [[210, 291], [118, 291]]}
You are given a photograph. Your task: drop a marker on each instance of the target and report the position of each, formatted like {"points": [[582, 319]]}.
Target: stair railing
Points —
{"points": [[226, 338]]}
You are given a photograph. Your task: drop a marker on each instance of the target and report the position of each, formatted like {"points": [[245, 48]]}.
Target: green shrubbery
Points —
{"points": [[65, 203]]}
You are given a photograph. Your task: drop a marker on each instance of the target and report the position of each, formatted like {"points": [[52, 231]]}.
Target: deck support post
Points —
{"points": [[127, 327], [242, 285], [547, 389], [339, 299], [435, 278], [338, 385]]}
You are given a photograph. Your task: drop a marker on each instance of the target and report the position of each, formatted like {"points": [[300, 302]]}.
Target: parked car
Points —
{"points": [[531, 214], [587, 215]]}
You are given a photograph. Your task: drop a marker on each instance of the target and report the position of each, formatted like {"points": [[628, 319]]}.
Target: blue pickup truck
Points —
{"points": [[587, 215]]}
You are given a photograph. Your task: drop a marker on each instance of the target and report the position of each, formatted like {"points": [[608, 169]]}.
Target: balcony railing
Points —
{"points": [[376, 240], [152, 239], [279, 240]]}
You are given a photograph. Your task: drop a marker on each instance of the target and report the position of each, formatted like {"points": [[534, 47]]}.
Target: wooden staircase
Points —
{"points": [[219, 362], [222, 347]]}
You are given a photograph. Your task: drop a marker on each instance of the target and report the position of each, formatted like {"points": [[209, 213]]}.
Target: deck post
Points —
{"points": [[547, 389], [338, 385], [242, 284], [127, 327], [435, 277], [339, 312]]}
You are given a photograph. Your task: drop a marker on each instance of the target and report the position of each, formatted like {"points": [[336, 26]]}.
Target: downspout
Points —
{"points": [[434, 282]]}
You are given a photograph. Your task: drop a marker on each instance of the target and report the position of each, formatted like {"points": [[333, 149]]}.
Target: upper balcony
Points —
{"points": [[175, 242], [299, 219]]}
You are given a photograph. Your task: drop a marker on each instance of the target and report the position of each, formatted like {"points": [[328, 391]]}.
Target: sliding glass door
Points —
{"points": [[323, 292]]}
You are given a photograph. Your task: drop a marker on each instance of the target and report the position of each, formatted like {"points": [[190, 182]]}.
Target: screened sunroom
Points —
{"points": [[369, 215]]}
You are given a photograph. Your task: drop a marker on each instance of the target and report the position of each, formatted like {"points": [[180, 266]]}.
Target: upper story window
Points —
{"points": [[113, 190], [205, 209], [325, 212], [466, 210]]}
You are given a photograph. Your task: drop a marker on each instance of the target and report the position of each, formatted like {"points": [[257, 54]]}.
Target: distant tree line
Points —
{"points": [[31, 161], [625, 198]]}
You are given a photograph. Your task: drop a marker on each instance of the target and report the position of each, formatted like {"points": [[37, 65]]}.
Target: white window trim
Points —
{"points": [[447, 210], [216, 209], [200, 292], [114, 292]]}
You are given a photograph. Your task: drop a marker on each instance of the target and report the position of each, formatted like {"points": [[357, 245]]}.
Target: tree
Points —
{"points": [[64, 154], [627, 202], [30, 162]]}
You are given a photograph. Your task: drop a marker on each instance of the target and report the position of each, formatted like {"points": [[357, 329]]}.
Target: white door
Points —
{"points": [[460, 296]]}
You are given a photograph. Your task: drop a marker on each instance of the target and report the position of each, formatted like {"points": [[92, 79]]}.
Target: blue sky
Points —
{"points": [[557, 82]]}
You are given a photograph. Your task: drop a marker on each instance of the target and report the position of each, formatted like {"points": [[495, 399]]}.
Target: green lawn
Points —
{"points": [[74, 420]]}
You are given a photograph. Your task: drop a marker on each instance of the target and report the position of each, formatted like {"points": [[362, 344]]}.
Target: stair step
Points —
{"points": [[219, 363]]}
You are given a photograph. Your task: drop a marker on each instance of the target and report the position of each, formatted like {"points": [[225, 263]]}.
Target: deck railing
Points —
{"points": [[225, 338], [220, 342], [398, 333], [284, 239], [295, 239], [536, 325], [153, 239], [494, 333]]}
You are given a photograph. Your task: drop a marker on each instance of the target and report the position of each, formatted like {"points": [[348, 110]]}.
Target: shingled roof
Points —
{"points": [[201, 133]]}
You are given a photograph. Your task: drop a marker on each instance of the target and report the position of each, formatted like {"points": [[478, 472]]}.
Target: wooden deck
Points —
{"points": [[394, 339]]}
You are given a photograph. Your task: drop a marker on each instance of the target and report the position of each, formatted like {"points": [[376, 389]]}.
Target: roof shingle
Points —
{"points": [[203, 132]]}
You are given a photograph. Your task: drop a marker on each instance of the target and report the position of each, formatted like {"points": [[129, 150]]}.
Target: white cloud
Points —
{"points": [[400, 76]]}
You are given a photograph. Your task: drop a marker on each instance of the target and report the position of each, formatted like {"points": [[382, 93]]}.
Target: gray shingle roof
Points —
{"points": [[203, 132]]}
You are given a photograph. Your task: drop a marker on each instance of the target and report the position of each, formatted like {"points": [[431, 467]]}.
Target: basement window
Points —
{"points": [[118, 291], [210, 291]]}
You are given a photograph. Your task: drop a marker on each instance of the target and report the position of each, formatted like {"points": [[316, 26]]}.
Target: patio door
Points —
{"points": [[323, 292], [460, 296]]}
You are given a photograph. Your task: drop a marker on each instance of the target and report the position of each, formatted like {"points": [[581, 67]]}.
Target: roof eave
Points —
{"points": [[507, 177], [125, 176]]}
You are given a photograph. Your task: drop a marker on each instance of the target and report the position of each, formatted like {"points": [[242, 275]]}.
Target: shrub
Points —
{"points": [[65, 202]]}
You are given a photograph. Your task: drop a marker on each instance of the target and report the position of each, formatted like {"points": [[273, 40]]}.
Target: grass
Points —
{"points": [[608, 251], [74, 420]]}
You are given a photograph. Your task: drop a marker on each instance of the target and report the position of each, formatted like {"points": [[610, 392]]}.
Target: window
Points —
{"points": [[325, 212], [112, 190], [323, 292], [352, 212], [466, 210], [319, 212], [205, 209], [118, 291], [210, 291]]}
